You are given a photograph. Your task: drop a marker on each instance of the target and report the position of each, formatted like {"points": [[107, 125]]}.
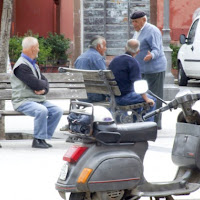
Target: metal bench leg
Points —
{"points": [[122, 117], [2, 120]]}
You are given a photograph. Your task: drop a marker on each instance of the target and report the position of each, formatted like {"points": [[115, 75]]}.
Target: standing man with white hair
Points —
{"points": [[93, 59], [29, 89], [151, 57], [127, 70]]}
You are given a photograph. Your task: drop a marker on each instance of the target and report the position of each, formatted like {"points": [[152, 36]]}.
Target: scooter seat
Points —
{"points": [[137, 132]]}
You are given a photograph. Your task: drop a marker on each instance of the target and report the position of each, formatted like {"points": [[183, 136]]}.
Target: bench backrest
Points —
{"points": [[97, 81], [62, 86]]}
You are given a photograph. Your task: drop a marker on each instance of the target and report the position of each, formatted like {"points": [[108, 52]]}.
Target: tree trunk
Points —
{"points": [[6, 20]]}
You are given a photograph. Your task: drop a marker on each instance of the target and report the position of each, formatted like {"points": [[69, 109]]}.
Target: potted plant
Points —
{"points": [[59, 46], [53, 50], [175, 48]]}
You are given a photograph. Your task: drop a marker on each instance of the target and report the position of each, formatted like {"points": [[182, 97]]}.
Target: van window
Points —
{"points": [[192, 32]]}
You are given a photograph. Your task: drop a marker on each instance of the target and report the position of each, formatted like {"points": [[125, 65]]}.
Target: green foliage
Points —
{"points": [[59, 46], [15, 48], [175, 50], [52, 49], [45, 52]]}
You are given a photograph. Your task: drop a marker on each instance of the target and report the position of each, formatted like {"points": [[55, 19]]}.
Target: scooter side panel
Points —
{"points": [[116, 174]]}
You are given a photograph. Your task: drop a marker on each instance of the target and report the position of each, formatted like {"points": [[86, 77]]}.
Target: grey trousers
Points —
{"points": [[156, 85]]}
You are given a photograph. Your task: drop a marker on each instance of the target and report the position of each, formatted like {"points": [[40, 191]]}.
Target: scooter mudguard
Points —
{"points": [[114, 169]]}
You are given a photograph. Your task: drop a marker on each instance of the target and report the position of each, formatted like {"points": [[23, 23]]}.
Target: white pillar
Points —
{"points": [[166, 42], [170, 89]]}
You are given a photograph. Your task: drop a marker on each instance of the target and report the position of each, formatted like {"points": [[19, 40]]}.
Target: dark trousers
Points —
{"points": [[133, 98], [156, 85]]}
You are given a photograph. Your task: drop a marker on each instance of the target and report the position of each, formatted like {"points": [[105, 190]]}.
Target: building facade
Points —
{"points": [[79, 20]]}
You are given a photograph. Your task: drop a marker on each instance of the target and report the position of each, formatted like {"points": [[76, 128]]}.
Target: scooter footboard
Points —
{"points": [[186, 148]]}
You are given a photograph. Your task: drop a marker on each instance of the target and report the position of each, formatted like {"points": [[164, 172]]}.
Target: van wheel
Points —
{"points": [[182, 78]]}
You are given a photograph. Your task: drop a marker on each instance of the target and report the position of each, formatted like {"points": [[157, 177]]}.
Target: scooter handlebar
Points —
{"points": [[162, 109], [150, 114], [174, 104]]}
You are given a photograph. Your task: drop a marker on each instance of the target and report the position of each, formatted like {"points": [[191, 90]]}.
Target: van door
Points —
{"points": [[192, 51]]}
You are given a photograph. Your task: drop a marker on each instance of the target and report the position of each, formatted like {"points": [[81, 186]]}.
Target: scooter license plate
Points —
{"points": [[64, 171]]}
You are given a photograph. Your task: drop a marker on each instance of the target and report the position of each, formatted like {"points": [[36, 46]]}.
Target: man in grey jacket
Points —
{"points": [[29, 89], [151, 57]]}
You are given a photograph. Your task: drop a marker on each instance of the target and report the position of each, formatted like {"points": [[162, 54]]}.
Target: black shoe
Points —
{"points": [[37, 143], [0, 146], [159, 127], [49, 145]]}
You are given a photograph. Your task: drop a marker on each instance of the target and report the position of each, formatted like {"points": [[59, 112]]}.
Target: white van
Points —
{"points": [[189, 54]]}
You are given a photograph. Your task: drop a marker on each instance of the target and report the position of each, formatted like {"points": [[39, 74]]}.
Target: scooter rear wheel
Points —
{"points": [[62, 194], [166, 198], [77, 196], [169, 198]]}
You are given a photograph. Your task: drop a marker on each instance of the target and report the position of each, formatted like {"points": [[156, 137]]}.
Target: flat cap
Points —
{"points": [[138, 14]]}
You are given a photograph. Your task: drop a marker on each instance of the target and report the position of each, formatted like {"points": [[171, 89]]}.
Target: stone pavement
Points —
{"points": [[31, 174]]}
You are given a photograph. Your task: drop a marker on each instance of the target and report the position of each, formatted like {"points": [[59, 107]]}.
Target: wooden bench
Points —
{"points": [[102, 82], [61, 86]]}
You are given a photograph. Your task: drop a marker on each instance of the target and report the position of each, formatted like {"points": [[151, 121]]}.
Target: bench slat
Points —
{"points": [[66, 93], [111, 82], [67, 77], [61, 93], [90, 74], [66, 85], [16, 113], [5, 77], [98, 89], [52, 77], [51, 85]]}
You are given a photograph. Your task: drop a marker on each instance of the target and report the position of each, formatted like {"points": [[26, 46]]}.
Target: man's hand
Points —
{"points": [[148, 56], [39, 92], [150, 101]]}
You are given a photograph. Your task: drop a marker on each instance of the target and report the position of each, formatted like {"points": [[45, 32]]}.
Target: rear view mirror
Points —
{"points": [[182, 39], [141, 86]]}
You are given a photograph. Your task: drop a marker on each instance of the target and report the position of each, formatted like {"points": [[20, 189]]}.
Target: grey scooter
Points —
{"points": [[107, 161]]}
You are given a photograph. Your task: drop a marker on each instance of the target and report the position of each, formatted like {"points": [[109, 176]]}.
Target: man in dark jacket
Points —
{"points": [[126, 71], [93, 59]]}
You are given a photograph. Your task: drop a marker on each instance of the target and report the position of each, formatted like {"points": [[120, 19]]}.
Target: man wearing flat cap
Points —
{"points": [[151, 57]]}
